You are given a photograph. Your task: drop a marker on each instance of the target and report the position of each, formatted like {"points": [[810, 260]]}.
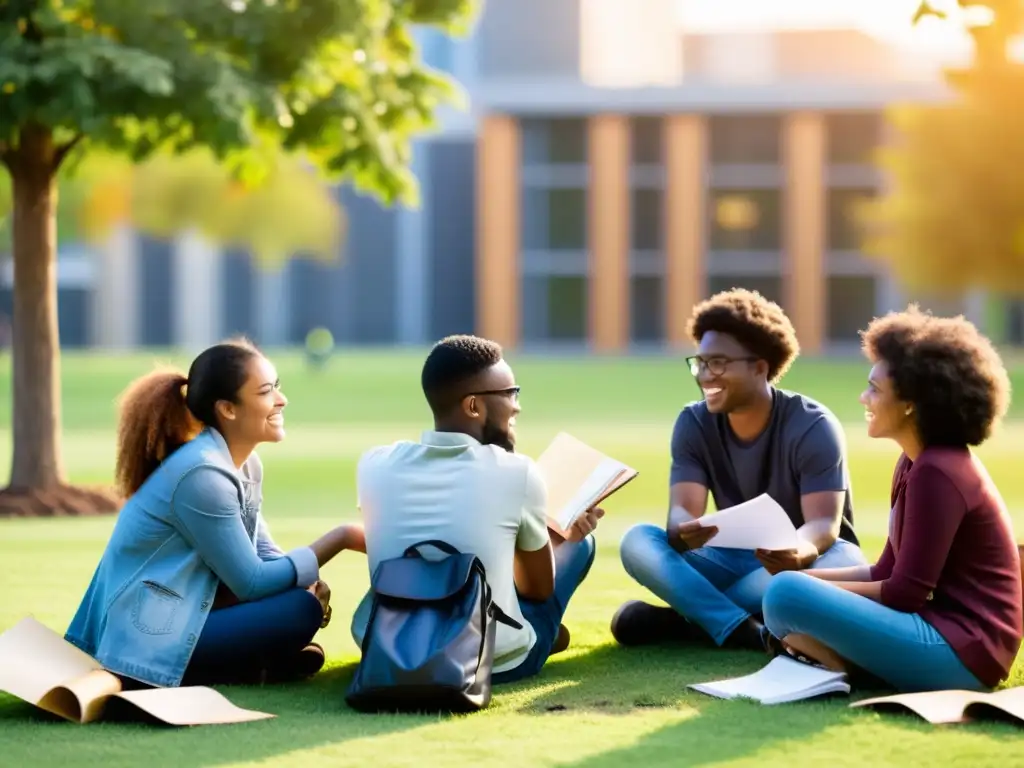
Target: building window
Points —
{"points": [[567, 308], [851, 305], [769, 286], [561, 141], [745, 220], [567, 219], [647, 224], [647, 308], [852, 136], [844, 233], [555, 218], [645, 135], [741, 139]]}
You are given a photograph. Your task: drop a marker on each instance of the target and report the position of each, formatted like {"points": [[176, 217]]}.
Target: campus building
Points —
{"points": [[612, 169]]}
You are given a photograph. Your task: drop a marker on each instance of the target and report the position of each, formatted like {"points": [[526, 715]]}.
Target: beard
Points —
{"points": [[495, 435]]}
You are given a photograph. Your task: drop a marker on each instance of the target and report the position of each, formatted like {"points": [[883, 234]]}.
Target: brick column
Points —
{"points": [[608, 221], [497, 249], [804, 265], [685, 225]]}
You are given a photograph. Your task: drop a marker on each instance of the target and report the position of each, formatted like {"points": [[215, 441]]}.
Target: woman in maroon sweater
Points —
{"points": [[942, 607]]}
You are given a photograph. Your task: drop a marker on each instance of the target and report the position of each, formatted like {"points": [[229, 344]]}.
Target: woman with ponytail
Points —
{"points": [[191, 587]]}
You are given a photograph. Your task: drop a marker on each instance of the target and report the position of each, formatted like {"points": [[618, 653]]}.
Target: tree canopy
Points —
{"points": [[953, 215], [337, 84], [337, 79]]}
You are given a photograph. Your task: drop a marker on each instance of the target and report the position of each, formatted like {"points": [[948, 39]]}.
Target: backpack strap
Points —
{"points": [[444, 546]]}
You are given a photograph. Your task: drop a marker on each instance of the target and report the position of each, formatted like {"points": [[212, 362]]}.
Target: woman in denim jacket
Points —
{"points": [[191, 587]]}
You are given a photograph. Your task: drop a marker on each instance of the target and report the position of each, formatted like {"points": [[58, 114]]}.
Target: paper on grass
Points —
{"points": [[41, 668], [578, 477], [953, 706], [756, 524], [781, 681]]}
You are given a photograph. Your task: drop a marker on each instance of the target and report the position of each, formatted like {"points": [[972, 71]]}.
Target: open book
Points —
{"points": [[578, 477], [955, 706], [40, 667], [781, 681]]}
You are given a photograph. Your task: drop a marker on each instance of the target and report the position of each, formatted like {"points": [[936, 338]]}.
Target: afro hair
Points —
{"points": [[760, 325], [949, 371]]}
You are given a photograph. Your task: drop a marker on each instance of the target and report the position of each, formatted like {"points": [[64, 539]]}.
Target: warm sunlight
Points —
{"points": [[889, 20]]}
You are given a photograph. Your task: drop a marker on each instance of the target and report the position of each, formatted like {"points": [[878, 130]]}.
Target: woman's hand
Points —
{"points": [[322, 592]]}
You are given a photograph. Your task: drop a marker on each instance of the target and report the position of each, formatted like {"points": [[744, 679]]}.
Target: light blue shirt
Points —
{"points": [[194, 523]]}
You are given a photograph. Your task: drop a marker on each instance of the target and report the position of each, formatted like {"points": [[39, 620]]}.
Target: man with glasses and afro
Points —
{"points": [[744, 438]]}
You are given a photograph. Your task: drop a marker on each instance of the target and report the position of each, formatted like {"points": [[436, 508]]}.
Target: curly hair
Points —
{"points": [[947, 369], [760, 325], [452, 362]]}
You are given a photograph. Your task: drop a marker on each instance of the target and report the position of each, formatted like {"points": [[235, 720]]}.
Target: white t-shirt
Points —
{"points": [[478, 498]]}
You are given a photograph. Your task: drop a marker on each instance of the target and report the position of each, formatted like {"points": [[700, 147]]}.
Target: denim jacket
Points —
{"points": [[193, 524]]}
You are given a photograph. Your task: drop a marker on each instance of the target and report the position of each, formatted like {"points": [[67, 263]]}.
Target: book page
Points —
{"points": [[756, 524], [781, 680], [1009, 700], [934, 706], [190, 705], [577, 477], [82, 699], [34, 660]]}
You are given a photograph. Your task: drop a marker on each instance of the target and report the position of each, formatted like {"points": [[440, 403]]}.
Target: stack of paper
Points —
{"points": [[756, 524], [578, 478], [782, 680]]}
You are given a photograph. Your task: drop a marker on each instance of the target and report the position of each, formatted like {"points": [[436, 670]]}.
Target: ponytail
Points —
{"points": [[154, 422]]}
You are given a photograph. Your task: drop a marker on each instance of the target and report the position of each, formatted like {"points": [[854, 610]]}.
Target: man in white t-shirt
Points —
{"points": [[463, 483]]}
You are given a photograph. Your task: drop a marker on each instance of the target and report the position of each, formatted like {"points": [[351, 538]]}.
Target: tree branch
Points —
{"points": [[64, 149]]}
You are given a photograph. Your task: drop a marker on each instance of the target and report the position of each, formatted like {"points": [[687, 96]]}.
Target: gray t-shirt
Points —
{"points": [[801, 451]]}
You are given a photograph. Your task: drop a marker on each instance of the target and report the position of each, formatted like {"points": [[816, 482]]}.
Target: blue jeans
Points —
{"points": [[900, 648], [572, 564], [239, 640], [716, 589]]}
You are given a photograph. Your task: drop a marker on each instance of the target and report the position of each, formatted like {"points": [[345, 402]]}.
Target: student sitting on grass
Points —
{"points": [[463, 483], [745, 438], [191, 586], [942, 606]]}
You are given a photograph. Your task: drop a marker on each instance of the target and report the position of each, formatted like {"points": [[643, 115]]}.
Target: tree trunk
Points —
{"points": [[35, 346], [37, 474]]}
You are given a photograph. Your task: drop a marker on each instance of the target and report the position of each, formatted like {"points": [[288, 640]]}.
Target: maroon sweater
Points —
{"points": [[951, 558]]}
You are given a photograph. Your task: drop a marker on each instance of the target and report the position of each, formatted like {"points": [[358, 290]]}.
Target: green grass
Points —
{"points": [[594, 705]]}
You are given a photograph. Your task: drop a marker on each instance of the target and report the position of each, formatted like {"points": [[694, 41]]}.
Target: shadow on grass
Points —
{"points": [[615, 680]]}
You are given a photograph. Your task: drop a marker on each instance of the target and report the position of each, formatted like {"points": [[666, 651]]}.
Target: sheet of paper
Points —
{"points": [[756, 524], [34, 659], [781, 680], [192, 705]]}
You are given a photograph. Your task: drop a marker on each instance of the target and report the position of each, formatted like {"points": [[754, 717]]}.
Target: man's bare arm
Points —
{"points": [[687, 502], [823, 516], [534, 573]]}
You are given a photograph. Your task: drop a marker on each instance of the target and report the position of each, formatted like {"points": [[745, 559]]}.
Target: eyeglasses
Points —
{"points": [[716, 365], [511, 392]]}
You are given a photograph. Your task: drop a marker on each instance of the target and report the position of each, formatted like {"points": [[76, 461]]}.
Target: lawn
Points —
{"points": [[595, 705]]}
